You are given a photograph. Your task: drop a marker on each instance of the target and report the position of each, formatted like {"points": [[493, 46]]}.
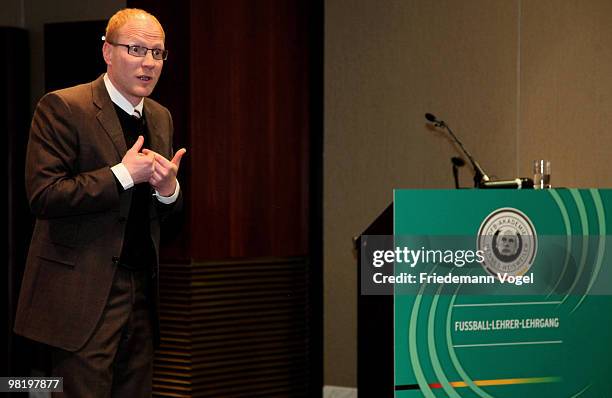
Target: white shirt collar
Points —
{"points": [[119, 100]]}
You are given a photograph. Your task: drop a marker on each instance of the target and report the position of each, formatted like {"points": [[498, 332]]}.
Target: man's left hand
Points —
{"points": [[163, 179]]}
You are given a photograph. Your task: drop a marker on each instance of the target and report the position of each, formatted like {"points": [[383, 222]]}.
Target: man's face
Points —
{"points": [[509, 244], [134, 77]]}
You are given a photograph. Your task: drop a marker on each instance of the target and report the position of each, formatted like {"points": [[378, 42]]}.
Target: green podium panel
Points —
{"points": [[550, 337]]}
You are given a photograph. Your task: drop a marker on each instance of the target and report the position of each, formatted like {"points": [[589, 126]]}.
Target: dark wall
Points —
{"points": [[68, 41], [14, 123]]}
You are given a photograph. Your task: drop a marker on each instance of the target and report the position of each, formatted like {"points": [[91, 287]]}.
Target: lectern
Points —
{"points": [[489, 294]]}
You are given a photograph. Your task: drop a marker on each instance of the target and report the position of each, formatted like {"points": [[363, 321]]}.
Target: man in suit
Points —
{"points": [[99, 180]]}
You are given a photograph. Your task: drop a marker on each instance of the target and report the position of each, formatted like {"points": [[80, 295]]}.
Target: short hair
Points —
{"points": [[122, 16]]}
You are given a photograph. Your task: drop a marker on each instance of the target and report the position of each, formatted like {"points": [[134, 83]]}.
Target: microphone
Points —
{"points": [[432, 118], [479, 174]]}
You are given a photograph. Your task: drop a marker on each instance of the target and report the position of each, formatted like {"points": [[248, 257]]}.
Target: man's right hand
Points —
{"points": [[139, 165]]}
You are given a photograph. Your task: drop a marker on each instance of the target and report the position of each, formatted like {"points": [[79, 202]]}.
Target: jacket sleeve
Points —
{"points": [[55, 185]]}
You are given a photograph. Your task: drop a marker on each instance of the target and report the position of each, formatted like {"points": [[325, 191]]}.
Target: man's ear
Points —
{"points": [[106, 53]]}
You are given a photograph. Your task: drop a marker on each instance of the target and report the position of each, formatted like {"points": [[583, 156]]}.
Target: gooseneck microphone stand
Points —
{"points": [[480, 176], [481, 179]]}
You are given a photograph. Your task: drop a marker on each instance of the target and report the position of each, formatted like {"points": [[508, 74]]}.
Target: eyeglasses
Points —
{"points": [[140, 51]]}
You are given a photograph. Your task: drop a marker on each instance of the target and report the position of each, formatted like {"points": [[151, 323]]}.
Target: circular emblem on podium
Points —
{"points": [[509, 242]]}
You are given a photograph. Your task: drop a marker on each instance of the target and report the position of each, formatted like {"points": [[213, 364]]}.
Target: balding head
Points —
{"points": [[121, 17]]}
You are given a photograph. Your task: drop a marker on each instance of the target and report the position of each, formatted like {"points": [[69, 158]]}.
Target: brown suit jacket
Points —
{"points": [[80, 214]]}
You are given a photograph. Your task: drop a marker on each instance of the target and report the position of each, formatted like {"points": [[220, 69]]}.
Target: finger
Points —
{"points": [[157, 176], [159, 158], [162, 169], [138, 144], [154, 179], [151, 154], [166, 172], [147, 151], [177, 156]]}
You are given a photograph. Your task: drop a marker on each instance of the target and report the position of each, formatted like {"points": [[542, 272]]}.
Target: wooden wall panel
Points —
{"points": [[249, 128], [173, 91], [235, 329], [241, 281]]}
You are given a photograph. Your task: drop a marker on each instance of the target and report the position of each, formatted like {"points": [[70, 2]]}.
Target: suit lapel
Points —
{"points": [[107, 116]]}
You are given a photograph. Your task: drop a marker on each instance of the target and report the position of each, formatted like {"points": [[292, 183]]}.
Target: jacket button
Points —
{"points": [[115, 259]]}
